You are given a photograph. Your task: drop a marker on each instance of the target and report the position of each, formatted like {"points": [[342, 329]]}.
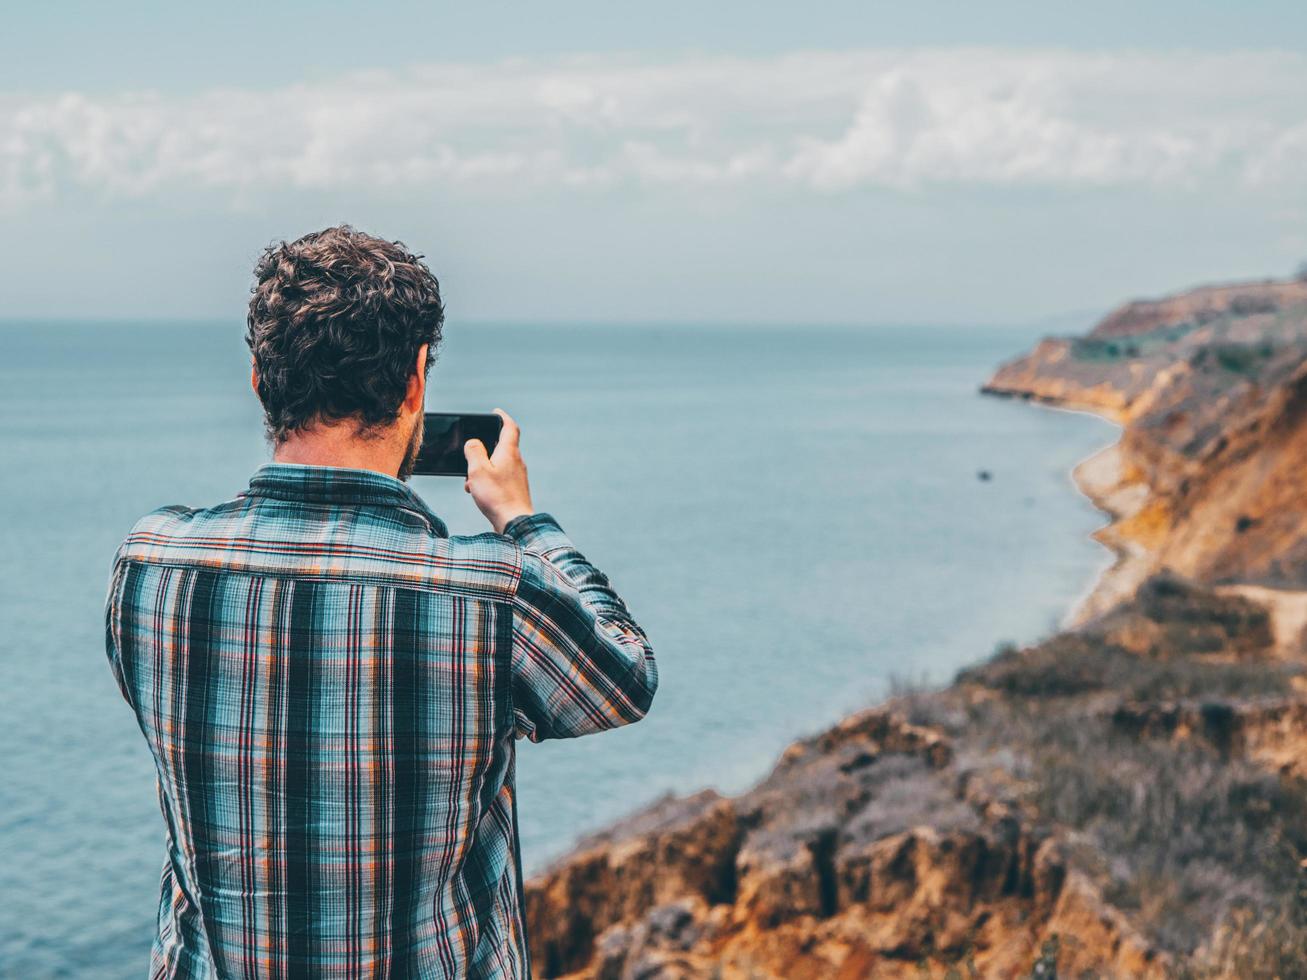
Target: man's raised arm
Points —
{"points": [[580, 662]]}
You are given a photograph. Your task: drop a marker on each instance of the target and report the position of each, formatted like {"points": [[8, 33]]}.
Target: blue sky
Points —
{"points": [[839, 162]]}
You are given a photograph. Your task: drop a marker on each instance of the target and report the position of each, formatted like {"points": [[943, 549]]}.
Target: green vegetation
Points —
{"points": [[1095, 349], [1243, 359], [1134, 346]]}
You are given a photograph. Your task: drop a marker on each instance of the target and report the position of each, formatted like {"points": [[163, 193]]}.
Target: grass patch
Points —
{"points": [[1246, 360], [1184, 834], [1185, 837]]}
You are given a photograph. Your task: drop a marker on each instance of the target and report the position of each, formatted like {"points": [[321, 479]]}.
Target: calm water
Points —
{"points": [[793, 514]]}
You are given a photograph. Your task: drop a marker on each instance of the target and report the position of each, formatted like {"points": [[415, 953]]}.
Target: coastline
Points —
{"points": [[1101, 478], [1044, 812], [1104, 478]]}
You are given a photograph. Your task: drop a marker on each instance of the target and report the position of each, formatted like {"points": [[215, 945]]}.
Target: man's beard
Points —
{"points": [[411, 453]]}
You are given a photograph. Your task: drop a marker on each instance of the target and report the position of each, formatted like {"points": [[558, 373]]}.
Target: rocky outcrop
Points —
{"points": [[867, 852]]}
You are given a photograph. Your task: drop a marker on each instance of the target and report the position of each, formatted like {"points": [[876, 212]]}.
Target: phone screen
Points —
{"points": [[443, 436]]}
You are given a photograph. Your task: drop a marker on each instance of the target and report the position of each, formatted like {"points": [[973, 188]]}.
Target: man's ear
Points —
{"points": [[254, 377], [417, 383]]}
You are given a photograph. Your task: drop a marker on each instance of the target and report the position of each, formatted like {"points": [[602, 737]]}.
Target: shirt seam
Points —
{"points": [[489, 594]]}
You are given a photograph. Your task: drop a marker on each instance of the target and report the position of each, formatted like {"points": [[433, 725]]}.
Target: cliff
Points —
{"points": [[1211, 390], [1125, 799]]}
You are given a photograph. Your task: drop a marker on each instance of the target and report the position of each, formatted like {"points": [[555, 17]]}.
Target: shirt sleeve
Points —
{"points": [[580, 662]]}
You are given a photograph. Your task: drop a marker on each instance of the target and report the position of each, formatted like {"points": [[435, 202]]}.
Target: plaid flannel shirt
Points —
{"points": [[331, 687]]}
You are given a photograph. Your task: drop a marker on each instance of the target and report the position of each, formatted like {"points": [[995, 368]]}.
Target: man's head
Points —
{"points": [[343, 328]]}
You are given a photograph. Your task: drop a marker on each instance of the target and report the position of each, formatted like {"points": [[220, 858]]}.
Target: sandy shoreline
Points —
{"points": [[1104, 480]]}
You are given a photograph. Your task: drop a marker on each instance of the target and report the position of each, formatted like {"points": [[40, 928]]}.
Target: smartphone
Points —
{"points": [[443, 436]]}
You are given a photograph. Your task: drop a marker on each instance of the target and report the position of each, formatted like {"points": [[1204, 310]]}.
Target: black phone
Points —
{"points": [[443, 436]]}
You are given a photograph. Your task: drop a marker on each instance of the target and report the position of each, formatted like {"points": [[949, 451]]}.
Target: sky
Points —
{"points": [[731, 162]]}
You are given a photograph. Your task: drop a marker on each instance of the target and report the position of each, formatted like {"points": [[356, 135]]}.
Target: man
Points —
{"points": [[329, 683]]}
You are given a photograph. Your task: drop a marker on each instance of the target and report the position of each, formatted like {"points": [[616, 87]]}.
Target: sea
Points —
{"points": [[802, 517]]}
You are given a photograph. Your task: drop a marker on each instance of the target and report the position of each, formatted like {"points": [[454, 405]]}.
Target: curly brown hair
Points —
{"points": [[335, 324]]}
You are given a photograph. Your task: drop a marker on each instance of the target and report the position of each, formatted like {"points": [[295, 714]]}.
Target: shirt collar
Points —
{"points": [[339, 485]]}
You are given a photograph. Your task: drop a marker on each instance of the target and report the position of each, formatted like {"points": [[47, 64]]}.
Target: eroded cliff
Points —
{"points": [[1211, 389]]}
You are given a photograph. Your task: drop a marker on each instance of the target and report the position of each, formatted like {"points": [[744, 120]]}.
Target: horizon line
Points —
{"points": [[8, 320]]}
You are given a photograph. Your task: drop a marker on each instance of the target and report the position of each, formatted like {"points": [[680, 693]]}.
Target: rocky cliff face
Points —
{"points": [[867, 852], [1123, 800]]}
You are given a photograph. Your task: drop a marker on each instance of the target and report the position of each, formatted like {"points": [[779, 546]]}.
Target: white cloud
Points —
{"points": [[821, 121]]}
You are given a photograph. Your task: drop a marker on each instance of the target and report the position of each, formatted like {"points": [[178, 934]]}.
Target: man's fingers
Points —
{"points": [[510, 435], [474, 451]]}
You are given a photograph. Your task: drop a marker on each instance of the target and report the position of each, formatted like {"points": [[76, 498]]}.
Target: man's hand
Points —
{"points": [[498, 483]]}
